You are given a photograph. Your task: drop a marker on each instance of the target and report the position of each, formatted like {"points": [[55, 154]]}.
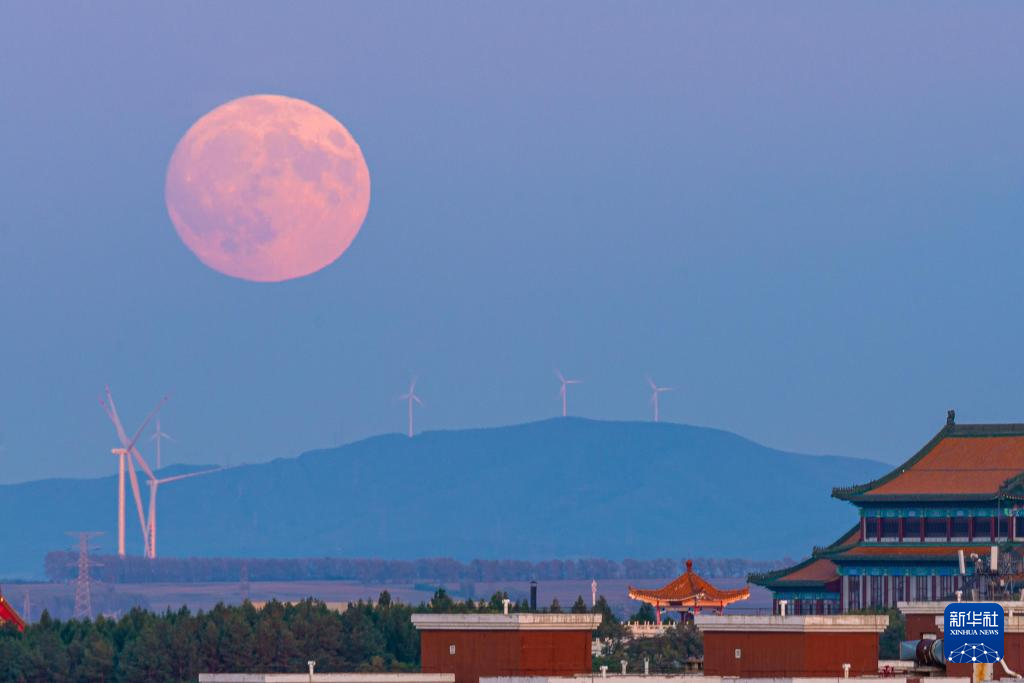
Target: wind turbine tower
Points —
{"points": [[410, 397], [128, 455], [656, 391], [154, 486], [564, 391], [158, 436]]}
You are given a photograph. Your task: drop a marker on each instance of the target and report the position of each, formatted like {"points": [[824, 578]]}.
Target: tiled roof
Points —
{"points": [[925, 552], [961, 461], [814, 571], [819, 570], [686, 590], [7, 613]]}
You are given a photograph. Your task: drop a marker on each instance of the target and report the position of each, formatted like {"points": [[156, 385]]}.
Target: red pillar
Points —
{"points": [[901, 530], [995, 526], [657, 615], [923, 522], [878, 527], [949, 528], [970, 528]]}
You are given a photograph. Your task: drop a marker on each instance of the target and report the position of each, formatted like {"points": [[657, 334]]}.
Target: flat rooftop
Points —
{"points": [[799, 623], [506, 622], [326, 678]]}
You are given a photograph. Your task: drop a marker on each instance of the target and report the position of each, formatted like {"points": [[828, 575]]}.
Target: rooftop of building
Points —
{"points": [[961, 462], [506, 622], [689, 587]]}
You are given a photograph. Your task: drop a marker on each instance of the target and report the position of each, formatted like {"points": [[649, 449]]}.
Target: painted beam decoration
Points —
{"points": [[973, 633]]}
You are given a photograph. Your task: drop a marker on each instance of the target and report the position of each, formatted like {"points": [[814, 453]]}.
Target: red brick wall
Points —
{"points": [[505, 653], [919, 624], [765, 655]]}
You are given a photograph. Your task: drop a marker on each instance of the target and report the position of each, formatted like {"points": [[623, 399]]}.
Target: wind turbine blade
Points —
{"points": [[651, 382], [558, 374], [142, 463], [115, 418], [138, 502], [189, 475], [152, 414], [417, 399]]}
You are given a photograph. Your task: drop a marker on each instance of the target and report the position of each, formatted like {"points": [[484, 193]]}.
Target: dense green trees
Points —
{"points": [[143, 647], [176, 646]]}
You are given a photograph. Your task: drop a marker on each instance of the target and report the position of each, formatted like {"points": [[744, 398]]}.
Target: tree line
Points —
{"points": [[142, 646], [60, 566]]}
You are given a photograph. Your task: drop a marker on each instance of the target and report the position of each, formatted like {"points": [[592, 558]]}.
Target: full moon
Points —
{"points": [[267, 188]]}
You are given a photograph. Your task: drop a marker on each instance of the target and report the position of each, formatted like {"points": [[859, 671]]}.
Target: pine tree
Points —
{"points": [[579, 607]]}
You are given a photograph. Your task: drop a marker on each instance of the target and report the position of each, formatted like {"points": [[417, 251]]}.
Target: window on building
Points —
{"points": [[871, 528], [921, 588], [853, 592], [935, 527], [959, 529], [890, 527], [1004, 527], [875, 584], [945, 586], [912, 527], [899, 586], [982, 527]]}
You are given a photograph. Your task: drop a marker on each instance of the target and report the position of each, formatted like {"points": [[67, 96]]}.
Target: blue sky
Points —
{"points": [[804, 216]]}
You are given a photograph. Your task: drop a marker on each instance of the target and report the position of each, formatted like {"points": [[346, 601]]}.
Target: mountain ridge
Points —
{"points": [[564, 487]]}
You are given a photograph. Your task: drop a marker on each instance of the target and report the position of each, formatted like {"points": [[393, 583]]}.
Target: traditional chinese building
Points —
{"points": [[689, 593], [9, 616], [962, 491]]}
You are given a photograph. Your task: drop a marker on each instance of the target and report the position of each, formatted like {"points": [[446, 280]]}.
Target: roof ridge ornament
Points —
{"points": [[950, 417]]}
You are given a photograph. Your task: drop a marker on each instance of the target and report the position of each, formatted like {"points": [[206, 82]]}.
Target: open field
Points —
{"points": [[115, 599]]}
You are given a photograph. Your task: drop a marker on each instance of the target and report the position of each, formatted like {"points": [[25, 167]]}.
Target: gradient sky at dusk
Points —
{"points": [[805, 216]]}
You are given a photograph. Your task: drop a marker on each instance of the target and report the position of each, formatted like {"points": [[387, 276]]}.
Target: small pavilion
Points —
{"points": [[688, 594]]}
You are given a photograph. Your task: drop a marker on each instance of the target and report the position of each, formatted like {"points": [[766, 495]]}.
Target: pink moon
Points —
{"points": [[267, 188]]}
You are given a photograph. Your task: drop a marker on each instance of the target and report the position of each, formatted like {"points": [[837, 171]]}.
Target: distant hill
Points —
{"points": [[565, 487]]}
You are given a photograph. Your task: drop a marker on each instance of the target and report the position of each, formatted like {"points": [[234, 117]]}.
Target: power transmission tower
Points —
{"points": [[83, 584]]}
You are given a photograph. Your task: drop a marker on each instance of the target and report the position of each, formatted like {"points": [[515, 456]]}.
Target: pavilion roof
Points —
{"points": [[7, 613], [979, 461], [688, 590]]}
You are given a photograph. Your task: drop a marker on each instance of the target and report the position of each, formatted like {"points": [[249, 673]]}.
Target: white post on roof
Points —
{"points": [[647, 666], [846, 670], [993, 560], [504, 604], [963, 564], [782, 607], [959, 595], [624, 664], [312, 665], [604, 671]]}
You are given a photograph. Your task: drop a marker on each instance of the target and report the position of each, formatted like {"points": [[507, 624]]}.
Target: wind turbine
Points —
{"points": [[411, 396], [563, 392], [158, 436], [154, 486], [128, 454], [655, 392]]}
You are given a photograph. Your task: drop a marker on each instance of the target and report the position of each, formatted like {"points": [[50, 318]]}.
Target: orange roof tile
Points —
{"points": [[961, 465], [687, 590], [959, 461], [910, 550], [819, 570]]}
